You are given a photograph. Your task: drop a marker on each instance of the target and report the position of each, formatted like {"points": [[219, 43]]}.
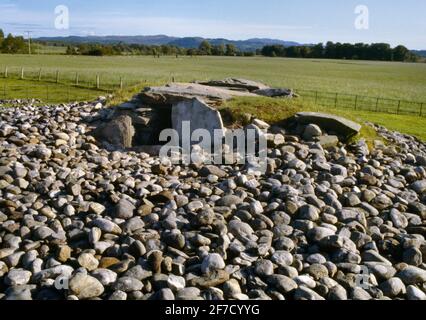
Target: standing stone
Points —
{"points": [[199, 115], [118, 133]]}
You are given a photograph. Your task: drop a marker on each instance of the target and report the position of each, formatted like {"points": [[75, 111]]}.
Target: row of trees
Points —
{"points": [[122, 49], [205, 49], [359, 51], [11, 44]]}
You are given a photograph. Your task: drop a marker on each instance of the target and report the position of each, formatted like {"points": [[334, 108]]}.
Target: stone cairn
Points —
{"points": [[84, 215]]}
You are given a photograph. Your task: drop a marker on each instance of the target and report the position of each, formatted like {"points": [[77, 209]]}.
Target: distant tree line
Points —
{"points": [[121, 49], [358, 51], [204, 49], [207, 49], [11, 44]]}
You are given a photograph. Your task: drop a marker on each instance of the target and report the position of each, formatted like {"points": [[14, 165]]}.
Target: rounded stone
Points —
{"points": [[176, 283], [88, 261], [212, 262], [85, 286], [393, 287], [264, 268], [17, 277], [282, 258], [128, 284]]}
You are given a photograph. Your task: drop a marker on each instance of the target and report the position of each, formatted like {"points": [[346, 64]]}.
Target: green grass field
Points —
{"points": [[377, 79], [46, 92], [41, 49], [275, 110], [406, 81]]}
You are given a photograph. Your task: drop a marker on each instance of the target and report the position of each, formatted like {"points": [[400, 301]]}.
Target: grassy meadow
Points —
{"points": [[388, 80], [47, 92], [275, 110], [378, 79]]}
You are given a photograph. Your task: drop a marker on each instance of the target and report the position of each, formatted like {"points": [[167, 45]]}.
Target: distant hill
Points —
{"points": [[243, 45], [421, 53], [186, 42], [147, 40]]}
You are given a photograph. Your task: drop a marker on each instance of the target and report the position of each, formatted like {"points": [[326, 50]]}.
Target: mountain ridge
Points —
{"points": [[184, 42]]}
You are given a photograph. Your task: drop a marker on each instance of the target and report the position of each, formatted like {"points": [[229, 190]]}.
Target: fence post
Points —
{"points": [[356, 102], [97, 81], [57, 76], [121, 83], [377, 104], [5, 72], [421, 109], [335, 101], [399, 107], [39, 75], [76, 79], [22, 73]]}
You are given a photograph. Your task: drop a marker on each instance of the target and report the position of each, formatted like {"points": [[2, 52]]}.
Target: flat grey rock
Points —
{"points": [[198, 115], [341, 126], [237, 84], [176, 92]]}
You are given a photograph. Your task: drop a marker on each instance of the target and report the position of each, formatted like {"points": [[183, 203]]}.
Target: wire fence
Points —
{"points": [[47, 93], [92, 80], [364, 103], [59, 86]]}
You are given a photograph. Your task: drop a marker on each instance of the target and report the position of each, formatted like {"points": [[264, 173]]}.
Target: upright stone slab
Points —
{"points": [[200, 116], [119, 132]]}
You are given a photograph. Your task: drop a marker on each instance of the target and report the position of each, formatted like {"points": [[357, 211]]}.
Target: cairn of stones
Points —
{"points": [[86, 214]]}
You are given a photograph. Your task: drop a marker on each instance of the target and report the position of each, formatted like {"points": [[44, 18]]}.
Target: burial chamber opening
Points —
{"points": [[131, 126], [148, 133]]}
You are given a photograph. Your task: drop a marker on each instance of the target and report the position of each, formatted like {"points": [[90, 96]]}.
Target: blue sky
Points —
{"points": [[305, 21]]}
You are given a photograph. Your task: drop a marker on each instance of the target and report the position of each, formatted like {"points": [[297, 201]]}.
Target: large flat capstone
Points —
{"points": [[198, 114], [340, 126], [176, 92], [236, 84]]}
